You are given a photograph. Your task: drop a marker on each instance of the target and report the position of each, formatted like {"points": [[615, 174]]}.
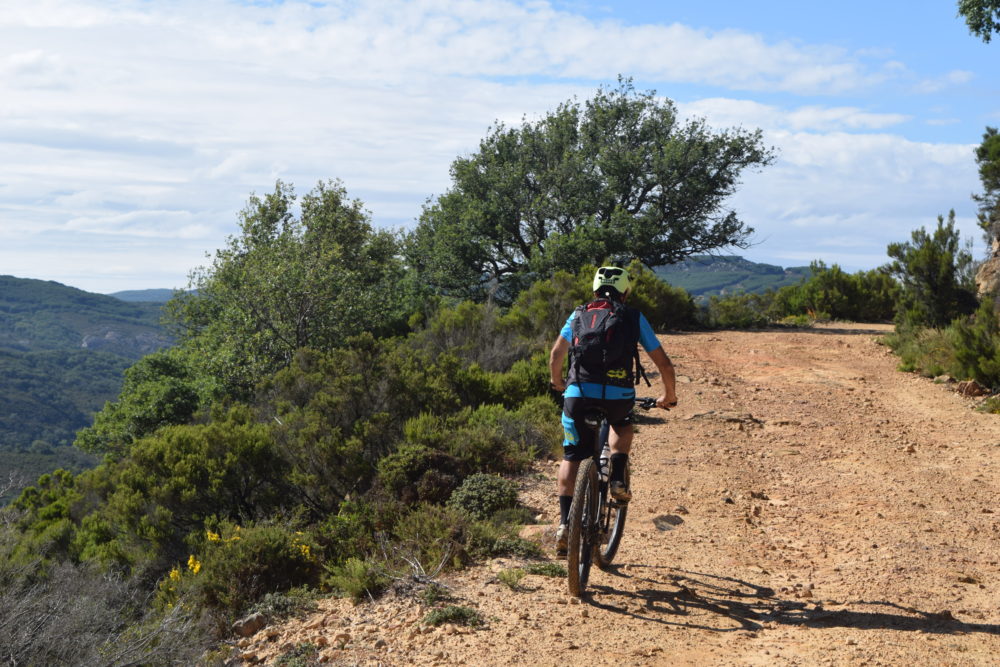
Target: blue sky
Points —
{"points": [[132, 132]]}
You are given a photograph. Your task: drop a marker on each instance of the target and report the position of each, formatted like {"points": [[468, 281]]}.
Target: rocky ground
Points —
{"points": [[805, 504]]}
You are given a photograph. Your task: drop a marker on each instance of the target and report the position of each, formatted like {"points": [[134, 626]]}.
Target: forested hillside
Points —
{"points": [[709, 275], [62, 355]]}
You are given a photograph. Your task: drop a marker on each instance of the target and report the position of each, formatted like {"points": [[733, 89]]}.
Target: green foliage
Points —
{"points": [[429, 538], [161, 389], [546, 569], [481, 496], [982, 17], [415, 473], [172, 483], [969, 348], [935, 276], [988, 161], [238, 566], [741, 311], [977, 346], [618, 175], [302, 655], [357, 578], [488, 539], [293, 603], [290, 282], [828, 293], [512, 578], [454, 614], [666, 307]]}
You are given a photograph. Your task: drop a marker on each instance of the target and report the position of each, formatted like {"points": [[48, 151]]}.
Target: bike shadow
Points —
{"points": [[693, 599]]}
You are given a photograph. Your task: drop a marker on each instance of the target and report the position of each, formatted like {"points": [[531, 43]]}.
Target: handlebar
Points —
{"points": [[646, 403]]}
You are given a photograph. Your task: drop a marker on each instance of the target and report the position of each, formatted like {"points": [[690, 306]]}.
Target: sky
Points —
{"points": [[132, 132]]}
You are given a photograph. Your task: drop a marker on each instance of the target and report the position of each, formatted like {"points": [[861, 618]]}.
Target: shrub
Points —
{"points": [[482, 496], [416, 473], [428, 539], [239, 566], [357, 578], [512, 578], [485, 539], [454, 614], [546, 569]]}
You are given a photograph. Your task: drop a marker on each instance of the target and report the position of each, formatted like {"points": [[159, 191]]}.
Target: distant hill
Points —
{"points": [[62, 354], [145, 295], [706, 275]]}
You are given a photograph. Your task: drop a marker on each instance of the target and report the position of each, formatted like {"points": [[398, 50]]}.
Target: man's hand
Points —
{"points": [[666, 402], [558, 385]]}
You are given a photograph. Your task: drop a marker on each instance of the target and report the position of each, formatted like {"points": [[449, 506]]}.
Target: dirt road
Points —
{"points": [[806, 504]]}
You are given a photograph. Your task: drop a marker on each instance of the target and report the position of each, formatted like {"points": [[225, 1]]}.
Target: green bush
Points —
{"points": [[486, 539], [512, 578], [357, 578], [481, 496], [977, 345], [454, 614], [239, 566], [416, 473], [428, 539]]}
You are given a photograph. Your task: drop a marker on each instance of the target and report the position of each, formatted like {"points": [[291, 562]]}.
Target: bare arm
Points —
{"points": [[556, 357], [666, 368]]}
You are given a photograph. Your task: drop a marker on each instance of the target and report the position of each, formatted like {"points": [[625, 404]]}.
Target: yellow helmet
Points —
{"points": [[614, 277]]}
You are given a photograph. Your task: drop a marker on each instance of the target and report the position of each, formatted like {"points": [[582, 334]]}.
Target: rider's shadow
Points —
{"points": [[691, 599]]}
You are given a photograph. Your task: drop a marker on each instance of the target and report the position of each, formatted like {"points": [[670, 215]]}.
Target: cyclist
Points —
{"points": [[612, 390]]}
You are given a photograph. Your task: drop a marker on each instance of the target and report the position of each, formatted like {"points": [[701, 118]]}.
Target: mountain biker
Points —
{"points": [[614, 392]]}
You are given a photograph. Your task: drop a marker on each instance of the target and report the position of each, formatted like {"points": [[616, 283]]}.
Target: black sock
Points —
{"points": [[564, 503], [618, 463]]}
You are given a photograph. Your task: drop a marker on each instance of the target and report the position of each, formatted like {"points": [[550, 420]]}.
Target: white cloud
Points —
{"points": [[725, 112]]}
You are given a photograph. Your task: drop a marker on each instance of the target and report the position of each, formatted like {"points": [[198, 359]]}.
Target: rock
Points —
{"points": [[249, 626], [971, 388], [381, 643], [944, 379], [342, 637]]}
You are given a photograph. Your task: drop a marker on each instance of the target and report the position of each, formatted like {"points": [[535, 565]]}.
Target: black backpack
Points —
{"points": [[604, 346]]}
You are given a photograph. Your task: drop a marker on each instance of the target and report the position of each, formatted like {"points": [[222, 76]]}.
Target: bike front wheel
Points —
{"points": [[582, 527]]}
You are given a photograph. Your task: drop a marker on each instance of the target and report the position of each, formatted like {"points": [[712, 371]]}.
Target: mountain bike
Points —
{"points": [[596, 520]]}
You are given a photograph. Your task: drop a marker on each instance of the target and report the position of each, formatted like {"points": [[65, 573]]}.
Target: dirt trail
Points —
{"points": [[806, 504]]}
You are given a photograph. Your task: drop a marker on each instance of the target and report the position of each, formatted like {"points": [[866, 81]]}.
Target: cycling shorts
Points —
{"points": [[578, 438]]}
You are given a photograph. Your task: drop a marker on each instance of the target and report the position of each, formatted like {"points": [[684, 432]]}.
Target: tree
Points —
{"points": [[619, 177], [935, 275], [289, 282], [982, 17], [988, 161]]}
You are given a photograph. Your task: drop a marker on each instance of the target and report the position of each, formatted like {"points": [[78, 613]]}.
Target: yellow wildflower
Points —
{"points": [[212, 537], [193, 564], [175, 574]]}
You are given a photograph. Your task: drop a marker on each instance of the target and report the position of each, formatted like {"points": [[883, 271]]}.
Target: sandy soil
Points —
{"points": [[805, 504]]}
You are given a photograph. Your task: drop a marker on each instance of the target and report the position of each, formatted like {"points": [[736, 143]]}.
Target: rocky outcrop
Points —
{"points": [[988, 275]]}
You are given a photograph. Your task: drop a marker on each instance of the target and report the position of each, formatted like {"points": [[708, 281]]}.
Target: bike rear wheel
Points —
{"points": [[612, 526], [582, 522]]}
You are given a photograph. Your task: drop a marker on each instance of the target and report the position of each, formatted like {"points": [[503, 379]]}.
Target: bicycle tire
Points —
{"points": [[612, 525], [582, 516]]}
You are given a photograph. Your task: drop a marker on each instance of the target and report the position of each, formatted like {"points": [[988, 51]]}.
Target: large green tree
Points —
{"points": [[935, 273], [289, 281], [619, 176], [982, 17]]}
